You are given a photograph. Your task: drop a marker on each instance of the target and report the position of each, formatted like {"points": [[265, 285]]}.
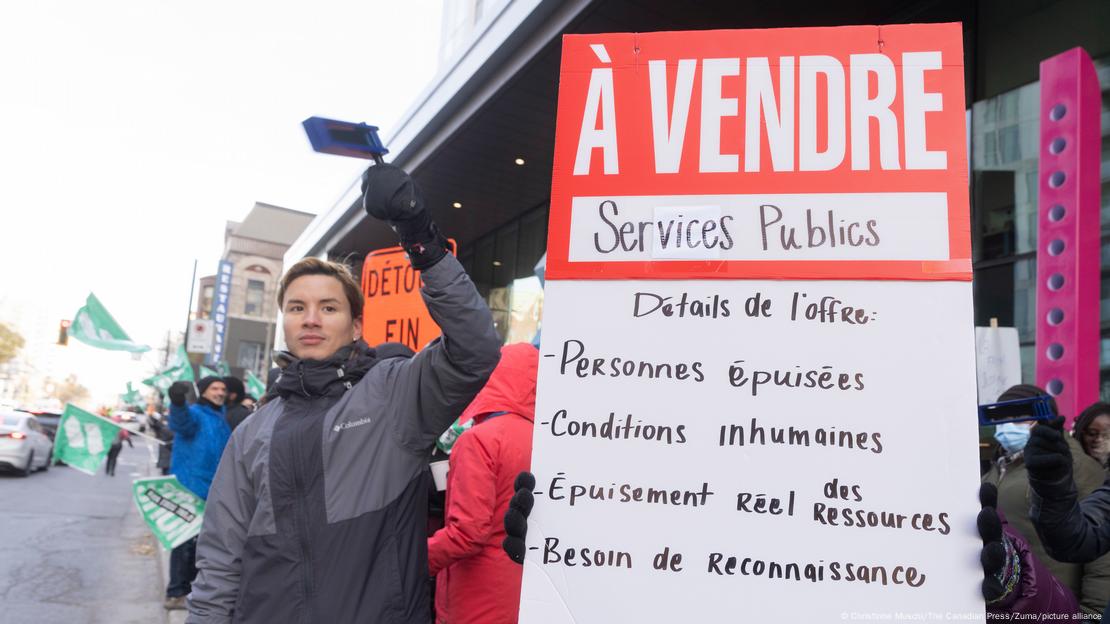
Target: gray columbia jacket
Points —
{"points": [[318, 511]]}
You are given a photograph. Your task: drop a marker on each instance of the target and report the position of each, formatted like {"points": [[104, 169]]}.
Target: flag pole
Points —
{"points": [[189, 320]]}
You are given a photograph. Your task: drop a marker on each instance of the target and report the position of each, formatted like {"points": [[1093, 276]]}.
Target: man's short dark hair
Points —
{"points": [[316, 266]]}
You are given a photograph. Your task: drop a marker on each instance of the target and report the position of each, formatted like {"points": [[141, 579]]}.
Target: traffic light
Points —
{"points": [[63, 333]]}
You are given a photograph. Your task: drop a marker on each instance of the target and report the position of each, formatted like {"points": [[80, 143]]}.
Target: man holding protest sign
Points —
{"points": [[200, 435], [317, 511]]}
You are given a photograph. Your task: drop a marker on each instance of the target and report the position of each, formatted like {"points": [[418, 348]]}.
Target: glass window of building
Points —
{"points": [[256, 292], [502, 266], [205, 307], [250, 356]]}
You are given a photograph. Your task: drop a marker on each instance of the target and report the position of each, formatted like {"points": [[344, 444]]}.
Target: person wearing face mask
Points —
{"points": [[318, 510], [1089, 582], [1092, 429]]}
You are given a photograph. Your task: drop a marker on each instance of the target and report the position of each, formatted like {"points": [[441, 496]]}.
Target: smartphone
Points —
{"points": [[1017, 410]]}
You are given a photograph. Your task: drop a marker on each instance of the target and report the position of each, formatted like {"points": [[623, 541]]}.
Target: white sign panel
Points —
{"points": [[202, 335], [997, 361], [756, 447]]}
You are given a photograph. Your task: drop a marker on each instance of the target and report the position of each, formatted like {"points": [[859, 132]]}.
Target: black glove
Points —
{"points": [[993, 556], [178, 391], [1047, 456], [389, 194], [516, 517]]}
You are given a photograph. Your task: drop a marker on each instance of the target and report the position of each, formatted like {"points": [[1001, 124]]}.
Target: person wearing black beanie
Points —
{"points": [[200, 435], [236, 411], [204, 384]]}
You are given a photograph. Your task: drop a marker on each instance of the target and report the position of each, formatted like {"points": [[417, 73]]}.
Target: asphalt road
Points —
{"points": [[73, 548]]}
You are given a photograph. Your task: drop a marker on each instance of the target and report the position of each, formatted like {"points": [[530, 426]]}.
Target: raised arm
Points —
{"points": [[430, 390], [182, 422], [1071, 530], [434, 387]]}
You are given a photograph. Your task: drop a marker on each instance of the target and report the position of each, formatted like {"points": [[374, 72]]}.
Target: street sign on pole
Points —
{"points": [[202, 335]]}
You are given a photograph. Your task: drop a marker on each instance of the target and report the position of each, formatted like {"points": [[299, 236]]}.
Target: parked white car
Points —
{"points": [[24, 445]]}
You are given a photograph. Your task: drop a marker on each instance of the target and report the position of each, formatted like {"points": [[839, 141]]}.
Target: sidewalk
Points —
{"points": [[173, 617], [163, 555]]}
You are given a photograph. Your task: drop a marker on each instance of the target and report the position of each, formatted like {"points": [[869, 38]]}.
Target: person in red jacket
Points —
{"points": [[475, 581]]}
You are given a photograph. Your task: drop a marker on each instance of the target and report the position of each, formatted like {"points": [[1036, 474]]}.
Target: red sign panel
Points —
{"points": [[803, 153]]}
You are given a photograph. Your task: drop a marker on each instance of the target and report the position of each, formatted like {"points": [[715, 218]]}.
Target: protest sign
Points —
{"points": [[768, 412], [393, 309], [997, 361], [173, 513], [83, 439]]}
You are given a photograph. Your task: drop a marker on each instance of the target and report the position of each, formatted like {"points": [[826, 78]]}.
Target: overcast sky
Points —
{"points": [[134, 129]]}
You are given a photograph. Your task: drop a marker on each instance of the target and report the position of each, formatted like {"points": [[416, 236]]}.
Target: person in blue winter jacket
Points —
{"points": [[200, 434]]}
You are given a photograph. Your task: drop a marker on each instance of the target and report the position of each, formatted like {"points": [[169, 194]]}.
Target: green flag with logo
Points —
{"points": [[83, 439], [178, 369], [255, 387], [94, 326], [173, 513], [225, 369], [131, 397], [208, 372]]}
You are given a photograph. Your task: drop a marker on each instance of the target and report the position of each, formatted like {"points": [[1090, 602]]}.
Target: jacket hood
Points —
{"points": [[234, 384], [334, 375], [511, 387]]}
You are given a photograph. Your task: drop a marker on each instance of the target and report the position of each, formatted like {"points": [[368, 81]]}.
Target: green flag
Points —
{"points": [[255, 387], [179, 369], [173, 513], [180, 358], [225, 369], [208, 372], [131, 397], [93, 326], [447, 441], [83, 439]]}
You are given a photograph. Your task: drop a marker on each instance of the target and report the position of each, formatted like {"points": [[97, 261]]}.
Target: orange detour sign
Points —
{"points": [[393, 310]]}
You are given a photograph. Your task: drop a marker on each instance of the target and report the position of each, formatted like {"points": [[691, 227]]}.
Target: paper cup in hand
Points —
{"points": [[439, 474]]}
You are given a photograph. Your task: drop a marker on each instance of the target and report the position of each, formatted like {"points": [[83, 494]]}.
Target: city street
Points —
{"points": [[73, 548]]}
